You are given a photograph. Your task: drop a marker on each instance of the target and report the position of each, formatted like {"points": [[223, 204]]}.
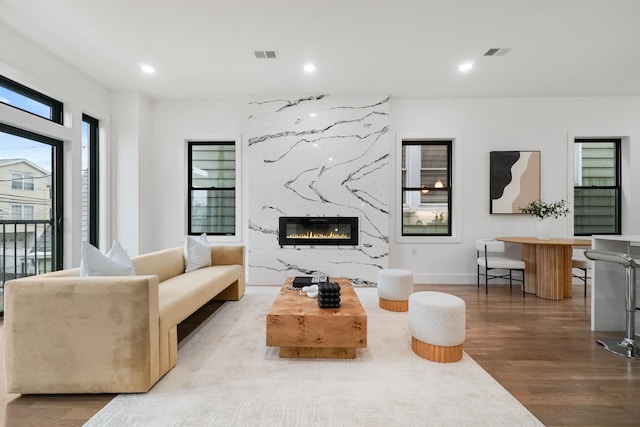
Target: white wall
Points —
{"points": [[335, 163], [175, 123], [132, 172], [162, 127], [26, 63], [478, 127], [483, 125]]}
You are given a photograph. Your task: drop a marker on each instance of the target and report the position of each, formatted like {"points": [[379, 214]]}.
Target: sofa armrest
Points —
{"points": [[230, 255], [227, 255], [81, 334]]}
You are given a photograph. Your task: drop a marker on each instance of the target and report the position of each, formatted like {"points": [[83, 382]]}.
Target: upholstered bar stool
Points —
{"points": [[394, 287], [628, 346], [437, 326]]}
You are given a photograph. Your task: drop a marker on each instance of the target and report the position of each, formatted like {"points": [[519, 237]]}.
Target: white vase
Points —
{"points": [[543, 228]]}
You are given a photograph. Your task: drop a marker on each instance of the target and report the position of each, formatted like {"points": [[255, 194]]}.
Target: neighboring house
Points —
{"points": [[24, 195]]}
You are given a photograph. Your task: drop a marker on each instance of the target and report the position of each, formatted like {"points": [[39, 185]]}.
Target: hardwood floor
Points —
{"points": [[542, 352]]}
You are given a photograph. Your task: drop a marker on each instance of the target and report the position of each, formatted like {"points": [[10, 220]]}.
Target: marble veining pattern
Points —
{"points": [[333, 163]]}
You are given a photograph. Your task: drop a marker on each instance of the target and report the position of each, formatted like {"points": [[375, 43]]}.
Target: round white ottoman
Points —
{"points": [[437, 326], [394, 287]]}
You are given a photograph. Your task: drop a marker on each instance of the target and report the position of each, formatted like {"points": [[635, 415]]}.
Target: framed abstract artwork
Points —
{"points": [[514, 180]]}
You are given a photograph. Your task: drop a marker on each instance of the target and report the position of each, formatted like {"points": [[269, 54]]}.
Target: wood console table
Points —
{"points": [[547, 265]]}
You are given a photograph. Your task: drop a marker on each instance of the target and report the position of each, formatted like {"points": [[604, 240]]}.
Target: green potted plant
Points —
{"points": [[543, 211]]}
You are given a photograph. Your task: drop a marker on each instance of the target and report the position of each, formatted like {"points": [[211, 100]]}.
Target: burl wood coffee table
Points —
{"points": [[300, 328]]}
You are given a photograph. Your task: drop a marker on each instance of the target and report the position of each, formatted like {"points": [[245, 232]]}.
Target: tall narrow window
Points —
{"points": [[597, 185], [29, 100], [212, 188], [31, 199], [90, 181], [426, 188], [31, 203]]}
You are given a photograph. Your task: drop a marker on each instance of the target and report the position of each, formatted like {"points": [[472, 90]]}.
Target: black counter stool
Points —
{"points": [[628, 346]]}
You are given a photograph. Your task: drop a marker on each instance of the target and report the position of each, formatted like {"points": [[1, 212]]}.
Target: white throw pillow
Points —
{"points": [[115, 263], [197, 253]]}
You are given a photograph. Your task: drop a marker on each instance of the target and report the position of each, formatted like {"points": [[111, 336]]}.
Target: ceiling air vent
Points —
{"points": [[497, 51], [266, 54]]}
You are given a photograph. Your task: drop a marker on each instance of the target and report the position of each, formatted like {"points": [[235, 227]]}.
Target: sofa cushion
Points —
{"points": [[115, 263], [197, 253], [182, 295]]}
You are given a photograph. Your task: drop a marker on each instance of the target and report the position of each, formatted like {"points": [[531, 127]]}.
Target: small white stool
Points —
{"points": [[394, 287], [437, 326]]}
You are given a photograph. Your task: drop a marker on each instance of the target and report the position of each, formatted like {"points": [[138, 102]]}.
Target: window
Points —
{"points": [[90, 184], [597, 186], [23, 98], [21, 181], [34, 162], [426, 188], [22, 212], [212, 188]]}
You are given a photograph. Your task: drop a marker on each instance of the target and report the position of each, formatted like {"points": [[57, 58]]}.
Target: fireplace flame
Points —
{"points": [[312, 235]]}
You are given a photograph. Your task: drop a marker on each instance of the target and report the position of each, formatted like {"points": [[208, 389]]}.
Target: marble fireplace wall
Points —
{"points": [[318, 156]]}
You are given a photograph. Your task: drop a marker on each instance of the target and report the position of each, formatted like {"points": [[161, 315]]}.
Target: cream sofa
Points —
{"points": [[71, 334]]}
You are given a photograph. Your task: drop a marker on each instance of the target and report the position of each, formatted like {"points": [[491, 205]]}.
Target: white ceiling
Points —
{"points": [[406, 48]]}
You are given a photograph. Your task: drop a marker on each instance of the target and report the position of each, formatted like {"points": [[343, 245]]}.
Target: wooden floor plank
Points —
{"points": [[543, 352]]}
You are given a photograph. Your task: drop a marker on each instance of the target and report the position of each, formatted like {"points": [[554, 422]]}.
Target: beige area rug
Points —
{"points": [[226, 376]]}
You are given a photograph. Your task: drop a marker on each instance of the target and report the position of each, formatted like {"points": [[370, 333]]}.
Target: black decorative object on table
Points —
{"points": [[302, 281], [328, 295]]}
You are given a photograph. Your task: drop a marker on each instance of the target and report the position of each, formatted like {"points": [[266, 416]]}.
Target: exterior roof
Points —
{"points": [[7, 162]]}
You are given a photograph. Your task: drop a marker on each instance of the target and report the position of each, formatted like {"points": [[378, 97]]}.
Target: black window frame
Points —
{"points": [[94, 180], [191, 188], [57, 186], [617, 187], [57, 107], [448, 188]]}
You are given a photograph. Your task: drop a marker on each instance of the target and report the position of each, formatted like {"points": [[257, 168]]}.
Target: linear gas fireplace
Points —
{"points": [[318, 230]]}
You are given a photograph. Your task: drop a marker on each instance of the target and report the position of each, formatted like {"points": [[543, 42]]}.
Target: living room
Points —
{"points": [[146, 122]]}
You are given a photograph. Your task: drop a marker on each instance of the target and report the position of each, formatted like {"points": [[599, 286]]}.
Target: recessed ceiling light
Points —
{"points": [[309, 67], [148, 69], [312, 114], [466, 66]]}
